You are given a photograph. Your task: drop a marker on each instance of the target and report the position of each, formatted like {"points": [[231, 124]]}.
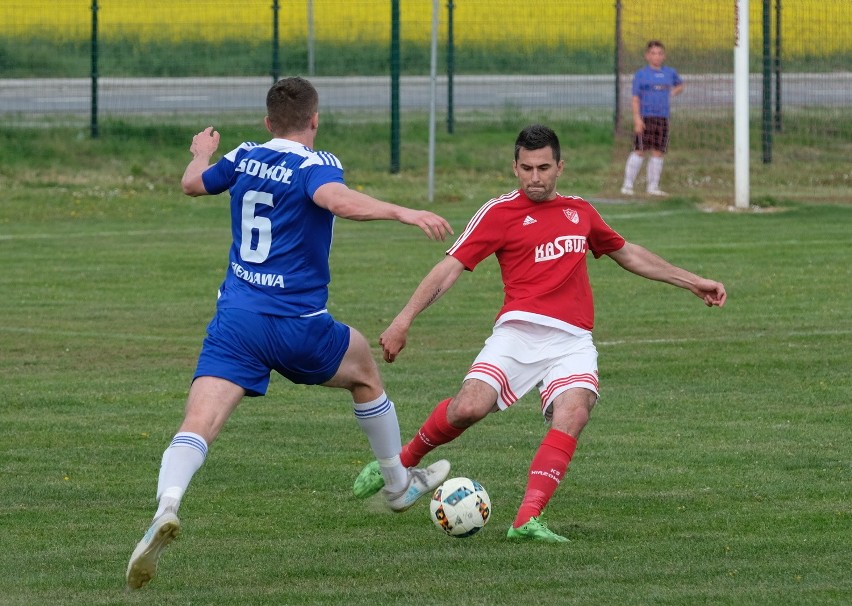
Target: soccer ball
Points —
{"points": [[460, 507]]}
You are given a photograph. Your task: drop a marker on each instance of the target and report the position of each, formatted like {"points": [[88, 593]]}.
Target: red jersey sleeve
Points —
{"points": [[602, 238], [483, 236]]}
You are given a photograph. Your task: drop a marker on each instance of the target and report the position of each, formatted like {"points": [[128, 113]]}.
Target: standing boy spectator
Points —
{"points": [[653, 87]]}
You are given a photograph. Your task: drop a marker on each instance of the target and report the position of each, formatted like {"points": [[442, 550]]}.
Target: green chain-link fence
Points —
{"points": [[90, 60]]}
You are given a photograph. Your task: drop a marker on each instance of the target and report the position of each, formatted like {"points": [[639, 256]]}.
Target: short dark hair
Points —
{"points": [[654, 43], [290, 105], [538, 136]]}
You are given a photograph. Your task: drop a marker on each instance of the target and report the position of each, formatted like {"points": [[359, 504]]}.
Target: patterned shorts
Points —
{"points": [[655, 136]]}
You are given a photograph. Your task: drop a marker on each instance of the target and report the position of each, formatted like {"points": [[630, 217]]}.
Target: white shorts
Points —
{"points": [[521, 355]]}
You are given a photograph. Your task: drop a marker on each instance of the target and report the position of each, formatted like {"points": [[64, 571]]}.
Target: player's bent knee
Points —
{"points": [[358, 371], [464, 413]]}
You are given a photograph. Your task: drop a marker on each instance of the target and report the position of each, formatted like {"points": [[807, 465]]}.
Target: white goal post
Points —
{"points": [[741, 108], [742, 188]]}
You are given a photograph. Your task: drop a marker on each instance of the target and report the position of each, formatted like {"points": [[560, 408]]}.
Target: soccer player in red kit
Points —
{"points": [[543, 333]]}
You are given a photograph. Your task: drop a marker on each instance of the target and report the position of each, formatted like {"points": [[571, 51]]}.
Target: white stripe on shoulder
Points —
{"points": [[571, 197], [231, 156], [330, 159], [311, 157], [479, 215], [320, 158]]}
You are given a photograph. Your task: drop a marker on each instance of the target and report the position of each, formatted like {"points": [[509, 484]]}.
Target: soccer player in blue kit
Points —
{"points": [[271, 312], [653, 87]]}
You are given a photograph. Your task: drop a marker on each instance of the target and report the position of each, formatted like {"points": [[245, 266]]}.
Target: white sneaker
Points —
{"points": [[420, 482], [143, 563], [627, 191], [657, 192]]}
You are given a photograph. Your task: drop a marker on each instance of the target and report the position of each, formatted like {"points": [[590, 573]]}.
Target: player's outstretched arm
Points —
{"points": [[643, 262], [357, 206], [203, 146], [431, 288]]}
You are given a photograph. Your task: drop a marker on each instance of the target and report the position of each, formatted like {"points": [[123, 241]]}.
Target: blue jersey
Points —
{"points": [[278, 262], [653, 87]]}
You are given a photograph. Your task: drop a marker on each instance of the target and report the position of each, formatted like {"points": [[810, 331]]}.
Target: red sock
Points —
{"points": [[546, 471], [434, 432]]}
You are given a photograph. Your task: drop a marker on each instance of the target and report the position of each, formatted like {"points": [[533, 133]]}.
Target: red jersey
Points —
{"points": [[541, 248]]}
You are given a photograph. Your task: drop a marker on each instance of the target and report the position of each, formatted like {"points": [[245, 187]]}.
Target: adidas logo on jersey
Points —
{"points": [[529, 220]]}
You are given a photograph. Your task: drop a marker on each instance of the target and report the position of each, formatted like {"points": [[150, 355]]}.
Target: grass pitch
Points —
{"points": [[716, 468]]}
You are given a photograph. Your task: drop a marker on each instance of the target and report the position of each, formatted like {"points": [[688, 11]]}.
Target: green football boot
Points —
{"points": [[535, 530], [369, 481]]}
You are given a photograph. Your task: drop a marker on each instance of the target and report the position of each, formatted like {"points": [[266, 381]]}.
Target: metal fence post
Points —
{"points": [[395, 67], [450, 66], [93, 126], [616, 115], [276, 60], [778, 65], [767, 82]]}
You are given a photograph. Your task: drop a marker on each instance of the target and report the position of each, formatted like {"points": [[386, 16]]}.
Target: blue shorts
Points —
{"points": [[244, 347]]}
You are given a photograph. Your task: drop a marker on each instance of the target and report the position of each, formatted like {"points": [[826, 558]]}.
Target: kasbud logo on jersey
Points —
{"points": [[560, 246]]}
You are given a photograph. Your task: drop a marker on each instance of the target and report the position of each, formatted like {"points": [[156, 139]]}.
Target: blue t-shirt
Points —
{"points": [[654, 87], [281, 239]]}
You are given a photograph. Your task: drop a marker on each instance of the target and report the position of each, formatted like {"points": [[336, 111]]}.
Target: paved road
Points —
{"points": [[153, 95]]}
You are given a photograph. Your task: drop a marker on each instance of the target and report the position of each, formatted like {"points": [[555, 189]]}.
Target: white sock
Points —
{"points": [[169, 501], [181, 460], [655, 169], [395, 475], [631, 169], [378, 421]]}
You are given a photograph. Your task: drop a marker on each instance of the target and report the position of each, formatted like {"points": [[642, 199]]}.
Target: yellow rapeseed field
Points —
{"points": [[812, 27]]}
